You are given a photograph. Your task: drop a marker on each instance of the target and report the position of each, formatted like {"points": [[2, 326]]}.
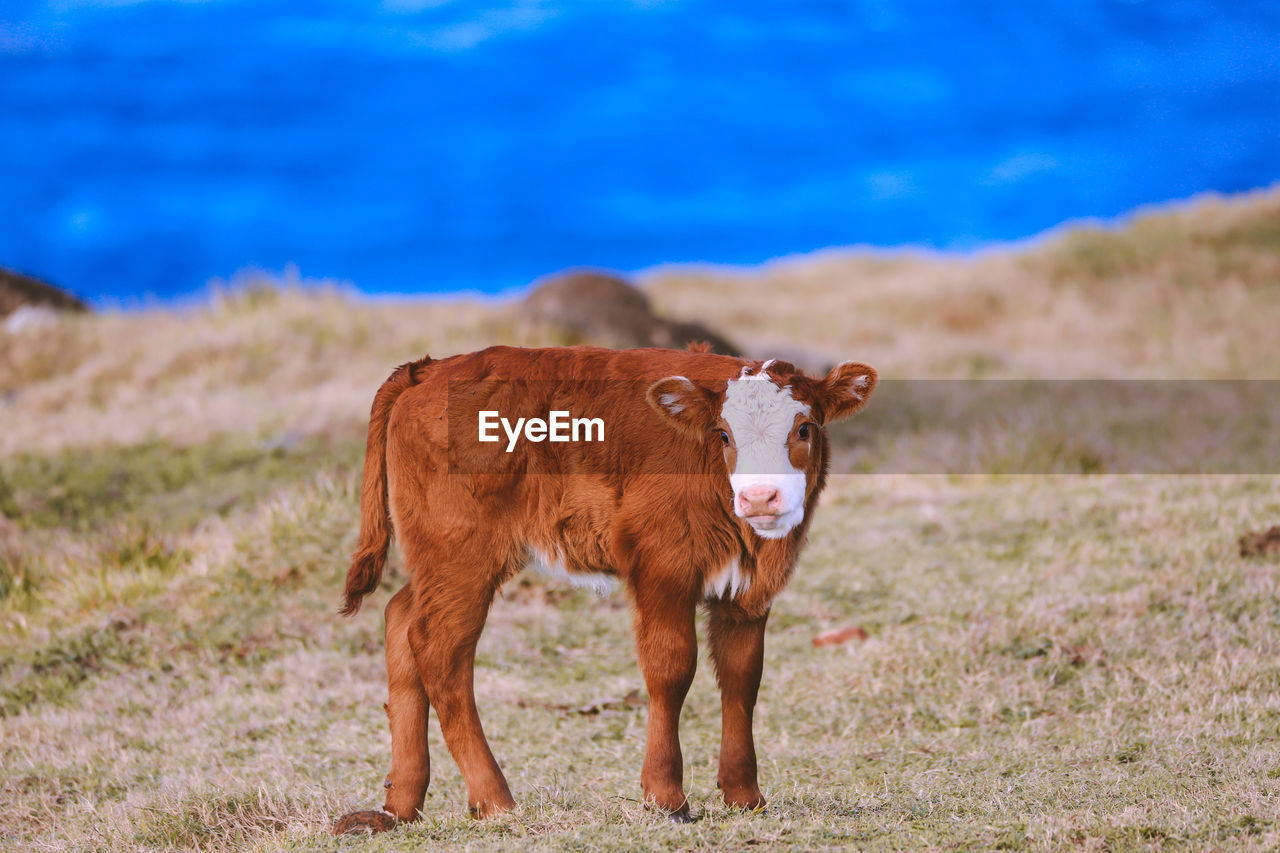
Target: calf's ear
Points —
{"points": [[846, 389], [686, 406]]}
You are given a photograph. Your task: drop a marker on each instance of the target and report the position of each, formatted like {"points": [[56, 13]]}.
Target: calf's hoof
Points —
{"points": [[492, 806], [356, 823], [682, 816], [751, 801]]}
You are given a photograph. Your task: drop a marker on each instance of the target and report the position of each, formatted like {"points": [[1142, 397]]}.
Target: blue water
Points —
{"points": [[432, 145]]}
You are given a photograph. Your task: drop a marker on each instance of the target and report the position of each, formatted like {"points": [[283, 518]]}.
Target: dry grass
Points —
{"points": [[1192, 293], [1052, 661], [1188, 293], [265, 358]]}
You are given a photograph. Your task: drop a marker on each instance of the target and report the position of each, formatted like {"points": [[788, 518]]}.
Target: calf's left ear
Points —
{"points": [[846, 389], [686, 406]]}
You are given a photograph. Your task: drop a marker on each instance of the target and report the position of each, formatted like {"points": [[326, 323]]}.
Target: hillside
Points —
{"points": [[1052, 661], [284, 356]]}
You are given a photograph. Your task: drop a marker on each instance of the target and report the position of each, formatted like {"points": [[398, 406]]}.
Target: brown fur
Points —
{"points": [[651, 505], [375, 536]]}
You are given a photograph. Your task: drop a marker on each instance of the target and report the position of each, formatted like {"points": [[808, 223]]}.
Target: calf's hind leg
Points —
{"points": [[407, 714], [453, 607]]}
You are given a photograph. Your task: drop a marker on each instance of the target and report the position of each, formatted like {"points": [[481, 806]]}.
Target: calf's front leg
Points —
{"points": [[667, 647], [737, 651]]}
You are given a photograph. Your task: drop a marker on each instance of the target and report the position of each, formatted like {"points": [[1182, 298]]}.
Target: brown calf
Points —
{"points": [[700, 493]]}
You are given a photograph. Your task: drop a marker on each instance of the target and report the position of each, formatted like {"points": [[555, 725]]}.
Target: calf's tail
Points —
{"points": [[375, 523]]}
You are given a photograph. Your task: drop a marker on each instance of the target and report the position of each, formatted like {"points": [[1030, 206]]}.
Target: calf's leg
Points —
{"points": [[407, 710], [737, 651], [407, 713], [443, 639], [667, 647]]}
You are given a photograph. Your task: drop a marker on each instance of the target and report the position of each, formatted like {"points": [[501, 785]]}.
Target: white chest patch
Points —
{"points": [[729, 582], [552, 567]]}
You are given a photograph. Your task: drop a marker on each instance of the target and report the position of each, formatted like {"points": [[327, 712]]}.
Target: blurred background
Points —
{"points": [[1044, 661], [426, 146]]}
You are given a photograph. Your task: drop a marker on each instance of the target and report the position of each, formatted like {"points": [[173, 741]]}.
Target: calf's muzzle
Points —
{"points": [[759, 501]]}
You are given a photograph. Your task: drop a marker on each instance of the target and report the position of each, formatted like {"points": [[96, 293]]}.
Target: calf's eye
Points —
{"points": [[803, 432], [724, 437]]}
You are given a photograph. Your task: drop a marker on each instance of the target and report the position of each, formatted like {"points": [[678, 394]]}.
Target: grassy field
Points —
{"points": [[1052, 661]]}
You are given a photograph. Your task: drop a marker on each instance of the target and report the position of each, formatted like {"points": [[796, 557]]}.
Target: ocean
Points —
{"points": [[427, 146]]}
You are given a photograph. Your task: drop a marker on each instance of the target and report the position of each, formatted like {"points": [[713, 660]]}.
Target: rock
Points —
{"points": [[18, 290], [590, 306], [678, 334]]}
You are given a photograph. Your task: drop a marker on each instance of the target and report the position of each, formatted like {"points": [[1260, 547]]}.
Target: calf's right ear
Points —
{"points": [[686, 406]]}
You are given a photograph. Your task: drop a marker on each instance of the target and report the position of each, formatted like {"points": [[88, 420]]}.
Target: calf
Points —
{"points": [[700, 493]]}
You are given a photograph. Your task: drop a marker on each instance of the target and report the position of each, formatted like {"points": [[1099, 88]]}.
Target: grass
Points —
{"points": [[1188, 291], [80, 489], [1053, 661]]}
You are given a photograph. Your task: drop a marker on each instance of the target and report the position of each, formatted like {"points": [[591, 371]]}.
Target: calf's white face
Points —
{"points": [[768, 421], [768, 489]]}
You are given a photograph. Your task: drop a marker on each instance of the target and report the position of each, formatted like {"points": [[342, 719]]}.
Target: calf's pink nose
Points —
{"points": [[759, 500]]}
